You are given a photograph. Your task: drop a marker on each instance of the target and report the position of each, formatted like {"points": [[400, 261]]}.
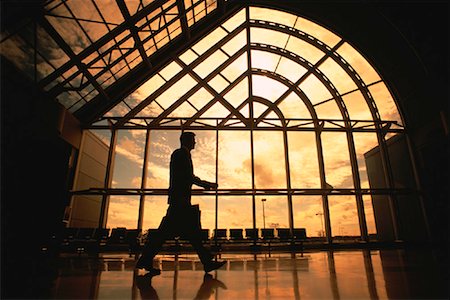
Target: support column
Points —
{"points": [[288, 182], [108, 179], [357, 186], [252, 121], [216, 216], [323, 184], [389, 179], [144, 180]]}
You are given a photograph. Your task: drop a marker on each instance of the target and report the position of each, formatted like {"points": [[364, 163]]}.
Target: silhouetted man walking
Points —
{"points": [[182, 218]]}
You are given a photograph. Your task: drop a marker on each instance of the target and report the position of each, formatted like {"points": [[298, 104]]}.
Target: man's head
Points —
{"points": [[187, 140]]}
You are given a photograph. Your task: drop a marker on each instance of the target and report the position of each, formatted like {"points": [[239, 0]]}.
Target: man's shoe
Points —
{"points": [[213, 265]]}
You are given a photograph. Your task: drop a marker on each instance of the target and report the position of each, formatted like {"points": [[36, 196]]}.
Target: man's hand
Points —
{"points": [[210, 185]]}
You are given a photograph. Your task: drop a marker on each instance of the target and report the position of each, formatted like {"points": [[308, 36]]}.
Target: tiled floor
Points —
{"points": [[349, 274]]}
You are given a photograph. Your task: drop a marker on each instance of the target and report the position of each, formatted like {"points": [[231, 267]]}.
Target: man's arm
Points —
{"points": [[204, 184]]}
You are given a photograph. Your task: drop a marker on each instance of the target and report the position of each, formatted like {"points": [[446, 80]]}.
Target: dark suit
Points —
{"points": [[182, 219], [181, 178]]}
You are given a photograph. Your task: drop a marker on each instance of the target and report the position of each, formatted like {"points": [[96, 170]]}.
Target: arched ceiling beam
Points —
{"points": [[329, 53]]}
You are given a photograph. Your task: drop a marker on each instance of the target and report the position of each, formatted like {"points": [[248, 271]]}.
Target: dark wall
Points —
{"points": [[34, 179]]}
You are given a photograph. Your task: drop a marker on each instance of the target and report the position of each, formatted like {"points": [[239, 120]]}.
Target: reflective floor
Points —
{"points": [[349, 274]]}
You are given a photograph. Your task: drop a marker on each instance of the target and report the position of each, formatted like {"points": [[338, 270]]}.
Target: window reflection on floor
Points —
{"points": [[361, 274]]}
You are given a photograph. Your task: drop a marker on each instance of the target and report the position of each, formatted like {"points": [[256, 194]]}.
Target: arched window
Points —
{"points": [[283, 110]]}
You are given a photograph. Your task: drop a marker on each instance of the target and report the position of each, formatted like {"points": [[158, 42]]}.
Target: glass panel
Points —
{"points": [[69, 30], [200, 98], [357, 106], [290, 69], [211, 39], [208, 211], [268, 37], [151, 110], [135, 6], [314, 89], [188, 56], [235, 212], [123, 212], [385, 103], [338, 170], [363, 143], [370, 217], [304, 49], [344, 217], [317, 31], [236, 20], [216, 111], [238, 94], [176, 91], [303, 161], [154, 210], [184, 110], [48, 48], [271, 15], [308, 214], [120, 110], [150, 86], [162, 144], [199, 10], [267, 88], [210, 63], [204, 155], [236, 68], [328, 110], [293, 107], [270, 170], [128, 159], [276, 213], [264, 60], [259, 109], [235, 44], [170, 70], [218, 83], [111, 12], [340, 79], [359, 63], [234, 160]]}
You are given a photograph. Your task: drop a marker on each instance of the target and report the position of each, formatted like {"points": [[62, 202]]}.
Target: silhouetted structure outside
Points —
{"points": [[182, 218]]}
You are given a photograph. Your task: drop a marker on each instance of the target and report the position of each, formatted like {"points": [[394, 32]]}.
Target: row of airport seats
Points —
{"points": [[251, 234], [264, 234], [99, 239], [122, 239]]}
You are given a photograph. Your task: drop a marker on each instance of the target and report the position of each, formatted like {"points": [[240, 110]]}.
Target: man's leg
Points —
{"points": [[193, 234], [154, 244]]}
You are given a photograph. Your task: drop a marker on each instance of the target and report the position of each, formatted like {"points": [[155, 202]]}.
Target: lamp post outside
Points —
{"points": [[264, 214]]}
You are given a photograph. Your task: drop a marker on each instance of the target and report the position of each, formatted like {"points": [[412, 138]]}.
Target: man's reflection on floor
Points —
{"points": [[207, 288], [144, 284]]}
